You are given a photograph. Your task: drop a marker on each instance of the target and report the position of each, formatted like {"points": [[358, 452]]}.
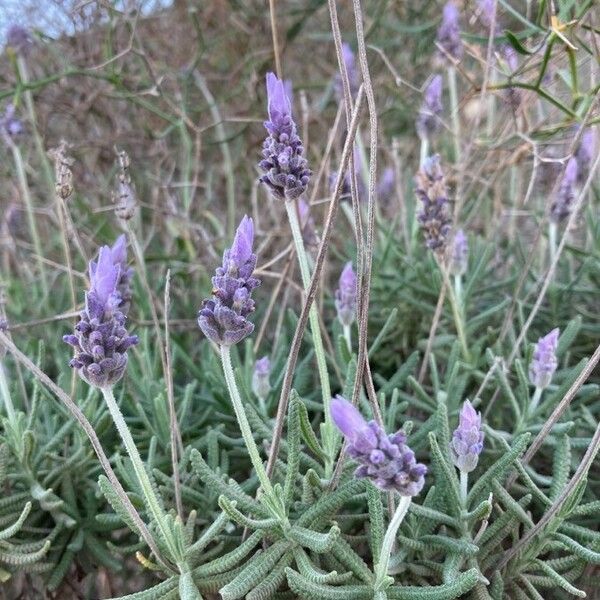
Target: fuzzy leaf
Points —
{"points": [[309, 590], [461, 585]]}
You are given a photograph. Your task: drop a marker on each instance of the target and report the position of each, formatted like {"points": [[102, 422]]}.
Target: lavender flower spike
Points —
{"points": [[467, 439], [223, 318], [260, 378], [101, 339], [428, 121], [384, 459], [284, 166], [448, 34], [544, 361], [345, 296], [563, 204], [460, 253], [19, 39], [434, 216]]}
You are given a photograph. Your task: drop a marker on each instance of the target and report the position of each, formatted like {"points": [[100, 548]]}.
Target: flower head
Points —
{"points": [[223, 318], [467, 439], [353, 77], [345, 296], [488, 14], [19, 39], [384, 459], [544, 361], [460, 253], [428, 121], [448, 33], [101, 339], [563, 203], [10, 125], [260, 377], [434, 216], [284, 166]]}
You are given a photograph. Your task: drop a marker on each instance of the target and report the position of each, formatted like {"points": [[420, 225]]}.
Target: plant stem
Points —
{"points": [[348, 337], [535, 400], [552, 240], [152, 500], [242, 420], [388, 541], [22, 177], [457, 313], [424, 152], [454, 112], [313, 317], [464, 486], [6, 397], [458, 290]]}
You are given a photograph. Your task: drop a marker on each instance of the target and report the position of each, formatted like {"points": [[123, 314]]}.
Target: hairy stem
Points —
{"points": [[139, 468], [242, 420], [388, 541], [313, 317]]}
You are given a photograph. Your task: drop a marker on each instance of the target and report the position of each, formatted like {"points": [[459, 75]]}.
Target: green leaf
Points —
{"points": [[515, 43], [376, 529], [461, 585], [317, 542], [559, 579], [309, 590], [254, 571], [484, 484]]}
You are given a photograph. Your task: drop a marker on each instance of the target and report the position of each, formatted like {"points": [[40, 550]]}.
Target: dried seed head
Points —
{"points": [[62, 171], [125, 198]]}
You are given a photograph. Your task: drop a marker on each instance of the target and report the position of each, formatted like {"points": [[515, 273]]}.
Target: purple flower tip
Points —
{"points": [[467, 439], [347, 417], [544, 362], [345, 296], [384, 459], [223, 318], [278, 103]]}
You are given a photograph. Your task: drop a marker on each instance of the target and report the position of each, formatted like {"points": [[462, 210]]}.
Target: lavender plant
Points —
{"points": [[496, 499]]}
